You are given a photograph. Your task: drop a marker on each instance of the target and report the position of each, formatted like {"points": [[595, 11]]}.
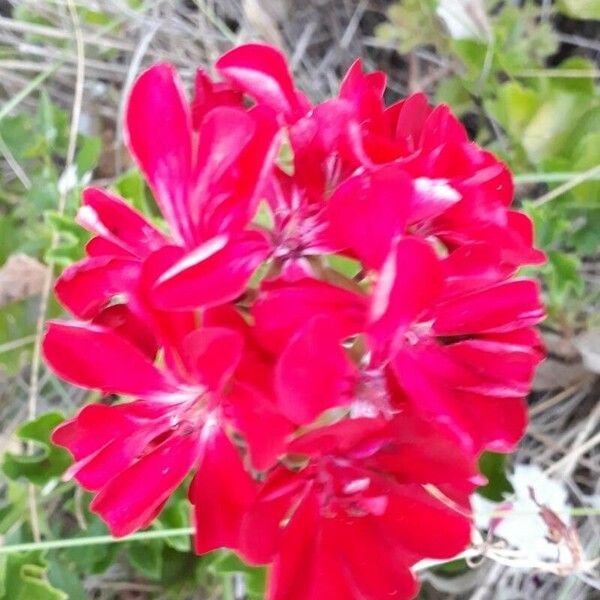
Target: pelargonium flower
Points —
{"points": [[331, 422], [428, 335], [357, 506], [464, 192], [207, 185], [133, 455]]}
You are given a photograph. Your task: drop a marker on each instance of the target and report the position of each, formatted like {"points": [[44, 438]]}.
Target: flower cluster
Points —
{"points": [[325, 334]]}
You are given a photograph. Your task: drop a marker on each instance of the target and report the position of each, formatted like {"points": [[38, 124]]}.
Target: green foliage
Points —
{"points": [[47, 462], [23, 576], [227, 563], [493, 467]]}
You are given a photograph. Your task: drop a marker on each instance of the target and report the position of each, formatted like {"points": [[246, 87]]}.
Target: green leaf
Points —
{"points": [[493, 467], [146, 557], [175, 515], [549, 129], [87, 157], [586, 155], [228, 563], [64, 577], [72, 239], [45, 122], [563, 276], [264, 216], [93, 559], [23, 577], [13, 507], [580, 9], [347, 267], [48, 462], [514, 107]]}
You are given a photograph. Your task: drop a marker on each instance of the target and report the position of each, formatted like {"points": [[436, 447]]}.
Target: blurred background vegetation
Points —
{"points": [[523, 77]]}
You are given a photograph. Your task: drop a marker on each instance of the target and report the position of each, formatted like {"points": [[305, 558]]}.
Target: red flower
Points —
{"points": [[331, 423], [207, 191], [435, 330], [357, 514]]}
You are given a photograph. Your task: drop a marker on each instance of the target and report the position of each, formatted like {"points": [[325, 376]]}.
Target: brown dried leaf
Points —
{"points": [[21, 277]]}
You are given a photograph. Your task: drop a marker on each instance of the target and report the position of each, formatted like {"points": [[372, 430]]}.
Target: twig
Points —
{"points": [[568, 185]]}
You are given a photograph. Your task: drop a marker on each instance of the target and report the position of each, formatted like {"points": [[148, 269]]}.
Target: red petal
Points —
{"points": [[126, 324], [235, 194], [221, 492], [208, 95], [132, 499], [158, 133], [294, 569], [261, 71], [283, 308], [96, 357], [375, 564], [212, 354], [264, 428], [108, 216], [408, 284], [364, 92], [424, 452], [368, 210], [420, 534], [85, 287], [442, 127], [504, 307], [214, 273], [411, 119], [313, 373], [261, 527]]}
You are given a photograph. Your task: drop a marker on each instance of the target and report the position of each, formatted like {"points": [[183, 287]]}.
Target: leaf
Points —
{"points": [[347, 267], [132, 187], [146, 557], [493, 467], [586, 155], [580, 9], [87, 157], [228, 563], [48, 462], [175, 515], [23, 577], [13, 507], [551, 125], [64, 577], [93, 559], [563, 277], [514, 107], [72, 239]]}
